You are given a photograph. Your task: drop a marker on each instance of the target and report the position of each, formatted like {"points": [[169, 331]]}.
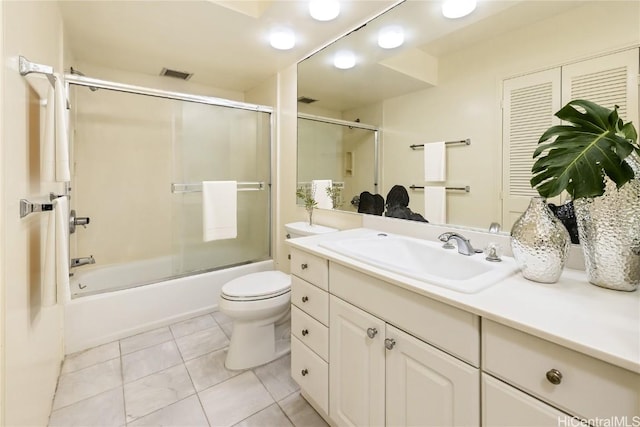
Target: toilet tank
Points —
{"points": [[302, 228]]}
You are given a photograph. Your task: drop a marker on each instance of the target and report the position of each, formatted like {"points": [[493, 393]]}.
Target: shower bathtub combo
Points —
{"points": [[159, 270]]}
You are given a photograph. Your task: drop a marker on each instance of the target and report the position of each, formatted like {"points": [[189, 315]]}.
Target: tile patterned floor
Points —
{"points": [[175, 376]]}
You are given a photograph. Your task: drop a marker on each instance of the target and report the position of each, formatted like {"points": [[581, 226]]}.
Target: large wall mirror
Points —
{"points": [[445, 83]]}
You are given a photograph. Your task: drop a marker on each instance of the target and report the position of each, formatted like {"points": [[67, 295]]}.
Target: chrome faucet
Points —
{"points": [[77, 262], [464, 245]]}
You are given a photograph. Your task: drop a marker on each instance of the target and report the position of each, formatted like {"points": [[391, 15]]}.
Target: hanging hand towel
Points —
{"points": [[62, 136], [320, 195], [48, 148], [219, 210], [49, 275], [61, 208], [435, 204], [435, 161]]}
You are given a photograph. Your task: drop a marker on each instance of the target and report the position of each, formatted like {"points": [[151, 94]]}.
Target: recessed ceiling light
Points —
{"points": [[458, 8], [282, 38], [344, 60], [324, 10], [391, 37]]}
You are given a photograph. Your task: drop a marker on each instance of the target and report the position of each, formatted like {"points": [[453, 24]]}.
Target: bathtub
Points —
{"points": [[100, 317]]}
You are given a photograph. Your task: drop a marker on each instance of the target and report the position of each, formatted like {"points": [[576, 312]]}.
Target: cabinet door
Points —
{"points": [[427, 387], [607, 80], [356, 360], [528, 105], [504, 406]]}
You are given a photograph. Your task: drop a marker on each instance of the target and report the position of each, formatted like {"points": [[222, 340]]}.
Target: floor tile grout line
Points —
{"points": [[282, 409], [124, 400]]}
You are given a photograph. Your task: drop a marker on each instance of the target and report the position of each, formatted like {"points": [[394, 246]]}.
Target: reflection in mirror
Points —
{"points": [[447, 82], [337, 161]]}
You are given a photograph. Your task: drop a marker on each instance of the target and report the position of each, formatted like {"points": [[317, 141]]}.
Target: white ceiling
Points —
{"points": [[223, 43]]}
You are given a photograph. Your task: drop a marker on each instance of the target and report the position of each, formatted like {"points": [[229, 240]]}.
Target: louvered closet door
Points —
{"points": [[607, 80], [529, 103]]}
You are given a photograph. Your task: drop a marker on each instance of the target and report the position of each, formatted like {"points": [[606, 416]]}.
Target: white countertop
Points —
{"points": [[601, 323]]}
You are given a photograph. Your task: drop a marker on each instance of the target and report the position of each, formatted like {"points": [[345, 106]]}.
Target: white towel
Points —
{"points": [[62, 136], [49, 276], [219, 210], [48, 149], [60, 247], [435, 161], [435, 204], [320, 195]]}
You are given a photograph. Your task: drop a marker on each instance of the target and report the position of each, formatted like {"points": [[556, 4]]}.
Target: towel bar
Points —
{"points": [[27, 67], [461, 141], [197, 187], [466, 188], [26, 207]]}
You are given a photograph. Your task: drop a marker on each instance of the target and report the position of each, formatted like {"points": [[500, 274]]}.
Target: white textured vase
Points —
{"points": [[609, 230], [540, 243]]}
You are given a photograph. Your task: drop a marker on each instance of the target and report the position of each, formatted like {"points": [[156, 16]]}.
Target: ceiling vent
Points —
{"points": [[175, 74], [306, 100]]}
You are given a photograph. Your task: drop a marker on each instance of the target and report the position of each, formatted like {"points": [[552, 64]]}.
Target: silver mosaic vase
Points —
{"points": [[540, 243], [609, 230]]}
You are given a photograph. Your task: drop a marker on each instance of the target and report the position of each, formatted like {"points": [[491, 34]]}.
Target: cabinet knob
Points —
{"points": [[288, 236], [554, 376], [304, 372], [389, 343], [305, 332], [305, 299], [304, 266], [372, 332]]}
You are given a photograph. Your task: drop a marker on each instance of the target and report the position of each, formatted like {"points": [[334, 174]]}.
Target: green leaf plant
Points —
{"points": [[595, 143]]}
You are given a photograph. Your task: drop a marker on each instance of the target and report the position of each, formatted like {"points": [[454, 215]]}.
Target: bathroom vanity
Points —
{"points": [[373, 347]]}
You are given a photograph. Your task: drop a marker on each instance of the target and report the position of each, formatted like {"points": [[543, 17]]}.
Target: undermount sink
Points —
{"points": [[425, 261]]}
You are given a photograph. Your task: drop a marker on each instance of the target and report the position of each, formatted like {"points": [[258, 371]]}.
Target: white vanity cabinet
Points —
{"points": [[370, 351], [581, 385], [382, 375], [505, 406], [309, 327]]}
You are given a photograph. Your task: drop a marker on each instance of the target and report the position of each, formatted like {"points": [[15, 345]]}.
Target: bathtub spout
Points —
{"points": [[77, 262]]}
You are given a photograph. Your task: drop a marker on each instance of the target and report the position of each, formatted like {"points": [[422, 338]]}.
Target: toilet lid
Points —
{"points": [[258, 285]]}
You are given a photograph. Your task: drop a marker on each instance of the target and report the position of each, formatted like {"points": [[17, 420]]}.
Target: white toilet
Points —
{"points": [[259, 304]]}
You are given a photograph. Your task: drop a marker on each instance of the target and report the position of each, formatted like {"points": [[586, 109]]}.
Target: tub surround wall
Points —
{"points": [[31, 349]]}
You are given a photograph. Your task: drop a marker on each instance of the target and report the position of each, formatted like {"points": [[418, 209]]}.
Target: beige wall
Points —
{"points": [[466, 103], [33, 342]]}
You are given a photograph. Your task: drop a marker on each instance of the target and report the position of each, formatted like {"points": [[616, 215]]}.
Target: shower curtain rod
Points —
{"points": [[159, 93], [336, 121]]}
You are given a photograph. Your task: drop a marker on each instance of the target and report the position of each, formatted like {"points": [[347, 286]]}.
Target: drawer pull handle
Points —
{"points": [[372, 332], [305, 299], [554, 376], [304, 266], [304, 372], [389, 343], [305, 332]]}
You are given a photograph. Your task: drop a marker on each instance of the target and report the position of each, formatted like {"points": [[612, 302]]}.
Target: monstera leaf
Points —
{"points": [[595, 144]]}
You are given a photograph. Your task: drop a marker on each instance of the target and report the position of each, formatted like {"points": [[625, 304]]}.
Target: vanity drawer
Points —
{"points": [[310, 299], [311, 268], [586, 387], [310, 332], [311, 373], [453, 330]]}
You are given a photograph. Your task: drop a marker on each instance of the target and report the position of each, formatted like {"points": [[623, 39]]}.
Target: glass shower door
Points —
{"points": [[213, 143]]}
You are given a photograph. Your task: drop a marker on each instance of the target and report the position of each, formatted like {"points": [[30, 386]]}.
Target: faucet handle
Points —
{"points": [[444, 237]]}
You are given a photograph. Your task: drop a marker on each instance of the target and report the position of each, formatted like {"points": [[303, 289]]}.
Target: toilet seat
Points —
{"points": [[257, 286]]}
